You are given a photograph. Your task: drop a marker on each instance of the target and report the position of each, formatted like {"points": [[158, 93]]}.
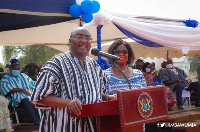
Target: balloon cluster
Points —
{"points": [[85, 10]]}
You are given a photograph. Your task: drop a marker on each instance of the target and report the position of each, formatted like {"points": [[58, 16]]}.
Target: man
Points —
{"points": [[174, 78], [153, 70], [67, 81], [198, 72], [138, 64], [19, 87], [7, 68], [163, 66], [32, 70]]}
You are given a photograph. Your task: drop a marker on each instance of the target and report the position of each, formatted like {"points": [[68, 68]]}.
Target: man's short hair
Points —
{"points": [[139, 60]]}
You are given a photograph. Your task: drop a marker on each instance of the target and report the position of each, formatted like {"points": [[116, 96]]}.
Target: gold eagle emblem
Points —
{"points": [[145, 105]]}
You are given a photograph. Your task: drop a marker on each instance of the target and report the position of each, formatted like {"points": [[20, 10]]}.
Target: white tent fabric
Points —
{"points": [[168, 34], [57, 35], [174, 36], [170, 9]]}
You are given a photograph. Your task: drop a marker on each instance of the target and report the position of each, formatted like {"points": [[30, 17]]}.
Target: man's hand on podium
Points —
{"points": [[75, 106], [106, 97], [112, 97]]}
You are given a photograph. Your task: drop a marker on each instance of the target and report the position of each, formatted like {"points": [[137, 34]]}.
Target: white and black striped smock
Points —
{"points": [[64, 77]]}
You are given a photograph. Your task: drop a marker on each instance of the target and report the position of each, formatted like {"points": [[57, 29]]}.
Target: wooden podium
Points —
{"points": [[130, 111]]}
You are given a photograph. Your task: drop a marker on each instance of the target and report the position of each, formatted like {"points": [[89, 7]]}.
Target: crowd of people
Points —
{"points": [[71, 79], [18, 87]]}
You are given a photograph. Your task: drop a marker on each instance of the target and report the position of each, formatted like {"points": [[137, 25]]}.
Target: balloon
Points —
{"points": [[86, 6], [87, 17], [75, 10], [96, 6]]}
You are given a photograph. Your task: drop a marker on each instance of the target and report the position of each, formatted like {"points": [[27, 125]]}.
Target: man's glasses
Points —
{"points": [[81, 37], [124, 52]]}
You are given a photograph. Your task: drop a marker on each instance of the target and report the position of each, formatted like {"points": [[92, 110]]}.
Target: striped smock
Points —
{"points": [[114, 83], [63, 76], [8, 82]]}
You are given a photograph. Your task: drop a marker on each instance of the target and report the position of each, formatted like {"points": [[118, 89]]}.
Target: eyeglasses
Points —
{"points": [[81, 37], [124, 52]]}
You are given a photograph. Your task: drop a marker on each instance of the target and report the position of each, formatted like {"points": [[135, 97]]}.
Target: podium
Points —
{"points": [[130, 111]]}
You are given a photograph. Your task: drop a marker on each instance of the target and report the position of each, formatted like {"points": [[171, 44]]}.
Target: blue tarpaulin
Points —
{"points": [[19, 14]]}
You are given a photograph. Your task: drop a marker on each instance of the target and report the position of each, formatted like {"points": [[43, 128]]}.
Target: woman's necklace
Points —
{"points": [[121, 70]]}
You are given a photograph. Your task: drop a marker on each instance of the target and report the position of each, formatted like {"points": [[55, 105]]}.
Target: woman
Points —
{"points": [[115, 80], [170, 99], [146, 69]]}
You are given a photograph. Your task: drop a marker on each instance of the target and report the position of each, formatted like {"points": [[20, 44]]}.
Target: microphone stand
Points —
{"points": [[113, 65]]}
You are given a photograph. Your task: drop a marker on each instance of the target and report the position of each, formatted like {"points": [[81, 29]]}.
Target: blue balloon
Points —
{"points": [[96, 6], [86, 6], [87, 17], [75, 10]]}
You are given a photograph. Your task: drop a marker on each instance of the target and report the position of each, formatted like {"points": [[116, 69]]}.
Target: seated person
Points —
{"points": [[32, 70], [1, 69], [138, 64], [7, 68], [19, 86], [153, 69], [146, 70], [163, 66], [174, 78]]}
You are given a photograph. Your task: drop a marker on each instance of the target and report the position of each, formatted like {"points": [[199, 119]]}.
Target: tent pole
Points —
{"points": [[99, 38], [167, 54]]}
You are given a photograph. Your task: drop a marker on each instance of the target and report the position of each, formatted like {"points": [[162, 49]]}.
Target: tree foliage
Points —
{"points": [[195, 63], [8, 53], [1, 65], [37, 54]]}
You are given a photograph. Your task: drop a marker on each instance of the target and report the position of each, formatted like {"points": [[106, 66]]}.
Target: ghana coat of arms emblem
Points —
{"points": [[145, 105]]}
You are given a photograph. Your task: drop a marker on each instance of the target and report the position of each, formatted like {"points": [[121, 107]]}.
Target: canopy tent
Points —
{"points": [[173, 37], [54, 35], [57, 35], [20, 14], [160, 33], [162, 9], [146, 51]]}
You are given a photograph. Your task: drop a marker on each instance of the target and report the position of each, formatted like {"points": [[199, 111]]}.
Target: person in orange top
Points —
{"points": [[146, 69]]}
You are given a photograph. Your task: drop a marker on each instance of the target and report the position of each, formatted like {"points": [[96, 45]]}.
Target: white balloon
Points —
{"points": [[78, 2]]}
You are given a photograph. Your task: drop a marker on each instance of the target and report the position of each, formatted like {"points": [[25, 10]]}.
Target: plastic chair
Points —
{"points": [[185, 94], [17, 110], [14, 109]]}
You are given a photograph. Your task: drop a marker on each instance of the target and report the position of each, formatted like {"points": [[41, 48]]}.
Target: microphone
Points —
{"points": [[97, 52]]}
